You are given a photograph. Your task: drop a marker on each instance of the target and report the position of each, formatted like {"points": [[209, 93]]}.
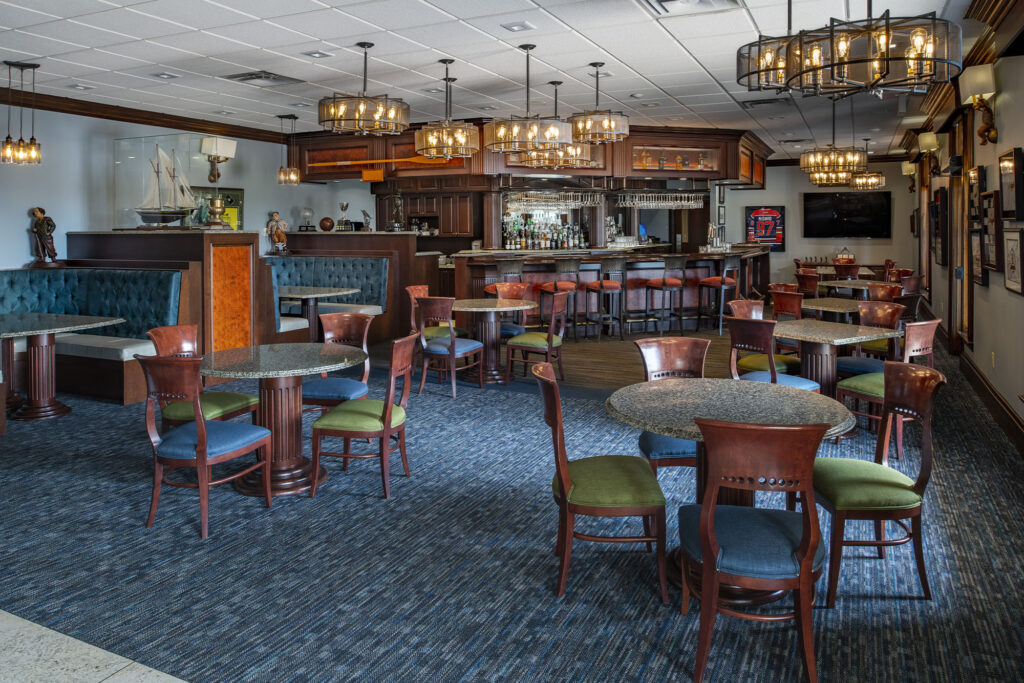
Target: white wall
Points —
{"points": [[785, 186], [75, 184]]}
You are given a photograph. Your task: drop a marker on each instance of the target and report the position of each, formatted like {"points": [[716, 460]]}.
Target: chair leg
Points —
{"points": [[509, 353], [203, 474], [721, 309], [684, 606], [647, 531], [880, 536], [384, 448], [267, 493], [401, 449], [835, 556], [659, 526], [423, 374], [561, 370], [560, 536], [563, 564], [158, 478], [346, 447], [915, 530], [316, 462], [708, 610], [451, 370], [803, 597]]}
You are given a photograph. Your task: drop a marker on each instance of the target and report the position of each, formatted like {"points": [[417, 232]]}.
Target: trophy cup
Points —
{"points": [[307, 216], [343, 223], [216, 205]]}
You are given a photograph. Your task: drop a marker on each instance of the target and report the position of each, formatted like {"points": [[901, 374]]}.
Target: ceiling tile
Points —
{"points": [[470, 9], [268, 9], [128, 22], [193, 14], [99, 59], [454, 32], [201, 43], [60, 8], [80, 34], [259, 34], [19, 42], [588, 14], [148, 51], [397, 14], [326, 23], [16, 17]]}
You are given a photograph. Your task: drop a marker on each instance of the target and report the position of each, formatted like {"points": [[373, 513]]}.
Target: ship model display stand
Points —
{"points": [[168, 198]]}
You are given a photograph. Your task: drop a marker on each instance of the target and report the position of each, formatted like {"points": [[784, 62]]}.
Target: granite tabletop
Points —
{"points": [[830, 304], [669, 406], [849, 284], [299, 292], [491, 305], [280, 360], [28, 324], [837, 334], [830, 270]]}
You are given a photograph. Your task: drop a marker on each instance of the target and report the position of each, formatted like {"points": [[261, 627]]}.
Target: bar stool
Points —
{"points": [[508, 270], [567, 279], [668, 285], [611, 283], [717, 286]]}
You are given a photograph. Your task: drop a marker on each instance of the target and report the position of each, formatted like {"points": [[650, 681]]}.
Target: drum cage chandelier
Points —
{"points": [[364, 114], [833, 165], [566, 155], [447, 139], [599, 126]]}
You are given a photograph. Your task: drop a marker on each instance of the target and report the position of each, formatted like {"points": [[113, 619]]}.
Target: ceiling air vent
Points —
{"points": [[768, 102], [262, 79], [666, 8]]}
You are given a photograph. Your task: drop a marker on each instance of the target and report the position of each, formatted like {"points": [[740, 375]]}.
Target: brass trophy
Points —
{"points": [[216, 207], [343, 223]]}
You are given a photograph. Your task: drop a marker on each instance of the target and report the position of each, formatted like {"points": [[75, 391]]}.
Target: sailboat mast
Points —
{"points": [[174, 182], [159, 195]]}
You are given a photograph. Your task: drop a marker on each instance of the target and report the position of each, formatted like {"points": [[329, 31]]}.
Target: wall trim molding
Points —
{"points": [[1005, 416]]}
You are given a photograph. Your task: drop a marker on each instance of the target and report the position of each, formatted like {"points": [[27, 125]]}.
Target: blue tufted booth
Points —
{"points": [[369, 274]]}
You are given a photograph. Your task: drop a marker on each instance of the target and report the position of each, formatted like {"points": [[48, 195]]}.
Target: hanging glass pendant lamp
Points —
{"points": [[599, 126], [364, 114], [21, 152], [447, 139], [831, 166], [867, 180], [519, 134], [761, 65], [566, 155], [287, 175]]}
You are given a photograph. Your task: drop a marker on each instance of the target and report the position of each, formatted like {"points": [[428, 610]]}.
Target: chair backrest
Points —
{"points": [[883, 291], [747, 334], [666, 357], [175, 340], [808, 283], [675, 263], [509, 267], [789, 304], [911, 284], [173, 378], [747, 308], [731, 264], [897, 274], [559, 315], [752, 457], [613, 268], [510, 290], [545, 376], [846, 271], [806, 271], [436, 310], [568, 266], [880, 314], [783, 287], [910, 391], [919, 340], [415, 292], [911, 304], [401, 367], [348, 328]]}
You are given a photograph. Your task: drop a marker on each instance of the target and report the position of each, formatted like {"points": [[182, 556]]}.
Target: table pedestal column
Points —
{"points": [[311, 312], [818, 363], [488, 332], [42, 403], [280, 411], [7, 367]]}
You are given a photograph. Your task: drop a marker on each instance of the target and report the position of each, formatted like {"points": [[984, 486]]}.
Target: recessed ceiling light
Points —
{"points": [[487, 107], [224, 112], [650, 104], [871, 151], [166, 76], [776, 117], [797, 146], [517, 26], [433, 90], [875, 130], [636, 95], [300, 105], [81, 86], [317, 54], [604, 74]]}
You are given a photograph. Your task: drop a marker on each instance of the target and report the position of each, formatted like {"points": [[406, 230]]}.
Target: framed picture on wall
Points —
{"points": [[975, 186], [721, 214], [938, 221], [234, 201], [1010, 170], [978, 273], [992, 232], [767, 225], [1012, 260]]}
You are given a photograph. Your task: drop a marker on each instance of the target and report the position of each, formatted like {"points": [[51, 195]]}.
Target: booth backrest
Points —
{"points": [[144, 298], [369, 274]]}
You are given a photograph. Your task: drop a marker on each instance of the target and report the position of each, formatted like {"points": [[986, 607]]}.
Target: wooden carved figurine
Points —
{"points": [[987, 131], [42, 232], [277, 231]]}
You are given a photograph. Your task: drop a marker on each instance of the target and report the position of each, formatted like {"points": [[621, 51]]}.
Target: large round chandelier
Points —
{"points": [[599, 126], [447, 139], [829, 179], [831, 165], [565, 155], [364, 114], [519, 134], [761, 65], [869, 180]]}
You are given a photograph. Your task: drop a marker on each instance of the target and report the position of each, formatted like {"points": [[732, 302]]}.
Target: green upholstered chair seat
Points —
{"points": [[360, 415], [852, 484], [876, 346], [214, 404], [535, 339], [759, 361], [868, 384], [612, 481], [442, 331]]}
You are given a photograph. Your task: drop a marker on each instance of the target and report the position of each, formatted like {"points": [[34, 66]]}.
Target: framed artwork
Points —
{"points": [[234, 198], [721, 194], [938, 220], [767, 225], [721, 214], [978, 273], [1012, 260], [1010, 169], [975, 186], [992, 232]]}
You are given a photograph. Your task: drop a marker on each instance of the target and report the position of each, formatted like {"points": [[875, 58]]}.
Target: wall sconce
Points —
{"points": [[977, 86], [928, 143], [909, 169], [217, 150]]}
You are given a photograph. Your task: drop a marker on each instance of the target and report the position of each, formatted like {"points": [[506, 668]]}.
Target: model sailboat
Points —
{"points": [[168, 196]]}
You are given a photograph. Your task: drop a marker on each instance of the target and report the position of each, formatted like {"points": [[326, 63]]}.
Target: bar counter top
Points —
{"points": [[634, 254]]}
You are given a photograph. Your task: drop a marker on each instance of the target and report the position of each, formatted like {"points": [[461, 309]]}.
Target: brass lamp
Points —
{"points": [[977, 86], [217, 151], [909, 169], [928, 143]]}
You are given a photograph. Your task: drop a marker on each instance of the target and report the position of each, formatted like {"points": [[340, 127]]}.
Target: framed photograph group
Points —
{"points": [[975, 186], [938, 222], [992, 231], [1011, 166], [978, 272], [1012, 260]]}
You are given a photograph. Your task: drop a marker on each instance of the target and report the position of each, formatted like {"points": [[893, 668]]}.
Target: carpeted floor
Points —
{"points": [[452, 579]]}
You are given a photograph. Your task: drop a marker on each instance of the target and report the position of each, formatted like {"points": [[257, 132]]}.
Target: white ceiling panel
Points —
{"points": [[13, 16], [202, 43], [130, 23], [99, 59], [62, 8], [543, 23], [194, 14], [327, 23], [259, 34], [397, 14], [470, 9], [268, 9], [17, 41], [73, 31]]}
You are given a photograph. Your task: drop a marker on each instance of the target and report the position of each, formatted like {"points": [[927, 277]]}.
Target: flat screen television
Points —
{"points": [[848, 214]]}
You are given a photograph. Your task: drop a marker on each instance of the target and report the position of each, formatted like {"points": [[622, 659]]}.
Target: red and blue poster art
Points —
{"points": [[767, 225]]}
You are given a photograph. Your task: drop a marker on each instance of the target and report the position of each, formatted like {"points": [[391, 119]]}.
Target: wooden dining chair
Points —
{"points": [[539, 343], [751, 547], [416, 292], [763, 365], [442, 353], [783, 287], [883, 291], [853, 489], [807, 284], [351, 329], [897, 274], [199, 444], [182, 341], [846, 271], [873, 314], [911, 306], [911, 284], [787, 305], [747, 308], [510, 327], [367, 418], [667, 358], [581, 488]]}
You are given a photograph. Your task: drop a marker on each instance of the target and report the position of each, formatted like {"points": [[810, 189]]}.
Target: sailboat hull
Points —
{"points": [[162, 216]]}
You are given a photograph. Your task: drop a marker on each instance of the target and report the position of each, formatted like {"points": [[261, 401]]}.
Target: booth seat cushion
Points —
{"points": [[611, 481], [795, 381], [854, 484], [869, 384], [333, 388], [859, 365], [755, 542], [759, 361], [367, 274], [292, 322], [654, 446], [441, 332], [366, 309], [537, 340], [214, 404], [362, 415], [106, 348], [221, 438], [441, 346]]}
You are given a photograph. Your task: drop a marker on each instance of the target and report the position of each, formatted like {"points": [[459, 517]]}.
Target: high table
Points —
{"points": [[669, 406], [831, 306], [830, 270], [307, 297], [488, 330], [279, 368], [40, 329], [818, 341], [861, 285]]}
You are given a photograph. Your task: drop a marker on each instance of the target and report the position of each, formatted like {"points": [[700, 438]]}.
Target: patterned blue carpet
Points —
{"points": [[452, 579]]}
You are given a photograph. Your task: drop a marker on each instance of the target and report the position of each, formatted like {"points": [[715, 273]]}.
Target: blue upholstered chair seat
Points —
{"points": [[333, 388], [511, 329], [756, 542], [859, 365], [795, 381], [221, 437], [442, 346], [654, 446]]}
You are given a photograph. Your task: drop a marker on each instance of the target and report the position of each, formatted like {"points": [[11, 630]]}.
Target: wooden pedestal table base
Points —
{"points": [[488, 332], [669, 407], [279, 368], [13, 401]]}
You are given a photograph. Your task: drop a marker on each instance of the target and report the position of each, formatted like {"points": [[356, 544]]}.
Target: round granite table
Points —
{"points": [[308, 297], [279, 368], [488, 330]]}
